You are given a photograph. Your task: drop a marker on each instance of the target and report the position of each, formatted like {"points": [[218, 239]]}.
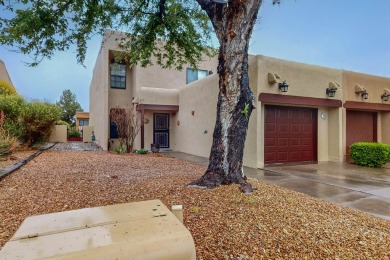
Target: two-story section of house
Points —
{"points": [[4, 73], [155, 90]]}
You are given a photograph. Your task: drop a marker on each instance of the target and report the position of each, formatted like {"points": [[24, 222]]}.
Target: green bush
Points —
{"points": [[61, 122], [370, 154], [7, 143], [142, 151], [7, 89], [121, 149], [74, 133], [12, 106], [38, 119]]}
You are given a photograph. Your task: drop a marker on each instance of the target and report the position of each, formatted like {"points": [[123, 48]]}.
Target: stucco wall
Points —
{"points": [[58, 134], [197, 102], [385, 127], [375, 86], [98, 103], [4, 73], [197, 115], [159, 96]]}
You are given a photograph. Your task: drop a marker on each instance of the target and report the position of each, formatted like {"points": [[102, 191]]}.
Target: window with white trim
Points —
{"points": [[118, 74], [195, 74]]}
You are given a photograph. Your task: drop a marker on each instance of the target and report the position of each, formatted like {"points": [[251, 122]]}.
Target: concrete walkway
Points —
{"points": [[361, 188]]}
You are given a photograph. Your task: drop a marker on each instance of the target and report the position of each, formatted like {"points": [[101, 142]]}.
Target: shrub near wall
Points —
{"points": [[370, 154], [12, 106], [38, 119]]}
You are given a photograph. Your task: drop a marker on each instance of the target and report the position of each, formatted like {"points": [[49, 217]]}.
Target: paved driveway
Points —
{"points": [[361, 188]]}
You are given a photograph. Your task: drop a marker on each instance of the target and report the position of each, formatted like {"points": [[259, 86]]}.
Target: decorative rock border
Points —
{"points": [[16, 166]]}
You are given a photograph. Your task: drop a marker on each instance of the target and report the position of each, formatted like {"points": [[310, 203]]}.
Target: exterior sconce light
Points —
{"points": [[364, 94], [331, 92], [385, 97], [283, 87]]}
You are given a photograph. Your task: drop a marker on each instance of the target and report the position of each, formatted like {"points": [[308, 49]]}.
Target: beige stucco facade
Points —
{"points": [[192, 107], [4, 73]]}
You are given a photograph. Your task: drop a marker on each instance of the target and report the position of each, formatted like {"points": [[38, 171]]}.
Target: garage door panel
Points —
{"points": [[282, 156], [283, 128], [295, 128], [307, 128], [270, 156], [295, 142], [270, 142], [294, 156], [270, 127], [295, 136], [306, 142], [282, 142]]}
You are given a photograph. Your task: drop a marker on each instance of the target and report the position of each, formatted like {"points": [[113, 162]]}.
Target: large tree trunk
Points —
{"points": [[233, 23]]}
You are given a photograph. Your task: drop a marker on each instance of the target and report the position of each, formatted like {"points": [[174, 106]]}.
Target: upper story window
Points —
{"points": [[194, 74], [118, 74], [83, 122]]}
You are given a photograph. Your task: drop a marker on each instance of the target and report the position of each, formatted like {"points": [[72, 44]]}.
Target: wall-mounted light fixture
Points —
{"points": [[385, 96], [362, 91], [364, 94], [283, 86], [331, 92]]}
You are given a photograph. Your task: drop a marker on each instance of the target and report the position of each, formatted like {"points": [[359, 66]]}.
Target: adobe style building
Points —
{"points": [[4, 73], [322, 112]]}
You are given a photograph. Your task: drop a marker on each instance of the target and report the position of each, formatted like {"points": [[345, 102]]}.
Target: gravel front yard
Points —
{"points": [[271, 223]]}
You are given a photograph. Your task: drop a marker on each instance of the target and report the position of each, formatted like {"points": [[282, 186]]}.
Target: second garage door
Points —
{"points": [[290, 134]]}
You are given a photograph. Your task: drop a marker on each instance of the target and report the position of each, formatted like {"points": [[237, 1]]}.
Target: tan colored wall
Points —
{"points": [[87, 134], [374, 84], [98, 104], [4, 73], [385, 127], [159, 96], [201, 97], [58, 134], [307, 81]]}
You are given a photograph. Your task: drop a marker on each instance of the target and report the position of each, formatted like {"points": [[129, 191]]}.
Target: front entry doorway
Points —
{"points": [[161, 129]]}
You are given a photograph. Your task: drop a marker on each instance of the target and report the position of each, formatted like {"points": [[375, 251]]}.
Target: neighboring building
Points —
{"points": [[4, 73], [303, 124], [82, 119]]}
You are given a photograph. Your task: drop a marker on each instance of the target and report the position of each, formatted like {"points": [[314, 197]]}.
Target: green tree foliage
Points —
{"points": [[40, 28], [12, 107], [8, 143], [7, 88], [30, 122], [37, 119], [69, 106]]}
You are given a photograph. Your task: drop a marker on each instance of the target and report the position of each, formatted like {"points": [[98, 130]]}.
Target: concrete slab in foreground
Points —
{"points": [[139, 230]]}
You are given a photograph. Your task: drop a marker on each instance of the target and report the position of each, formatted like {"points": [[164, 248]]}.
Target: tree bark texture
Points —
{"points": [[233, 23]]}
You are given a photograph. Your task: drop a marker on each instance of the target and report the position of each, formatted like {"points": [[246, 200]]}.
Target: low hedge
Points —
{"points": [[370, 154]]}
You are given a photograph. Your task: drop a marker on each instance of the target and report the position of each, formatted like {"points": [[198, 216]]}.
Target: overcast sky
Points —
{"points": [[348, 34]]}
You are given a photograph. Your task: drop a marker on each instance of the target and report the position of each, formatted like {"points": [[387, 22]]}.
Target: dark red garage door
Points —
{"points": [[361, 127], [290, 134]]}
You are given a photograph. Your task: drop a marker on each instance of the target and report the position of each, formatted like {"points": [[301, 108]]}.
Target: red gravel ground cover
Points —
{"points": [[272, 223]]}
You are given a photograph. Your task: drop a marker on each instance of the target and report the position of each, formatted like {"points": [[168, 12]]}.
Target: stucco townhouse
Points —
{"points": [[305, 113], [4, 73]]}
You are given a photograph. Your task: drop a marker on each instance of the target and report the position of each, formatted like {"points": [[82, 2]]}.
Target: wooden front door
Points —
{"points": [[161, 130]]}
